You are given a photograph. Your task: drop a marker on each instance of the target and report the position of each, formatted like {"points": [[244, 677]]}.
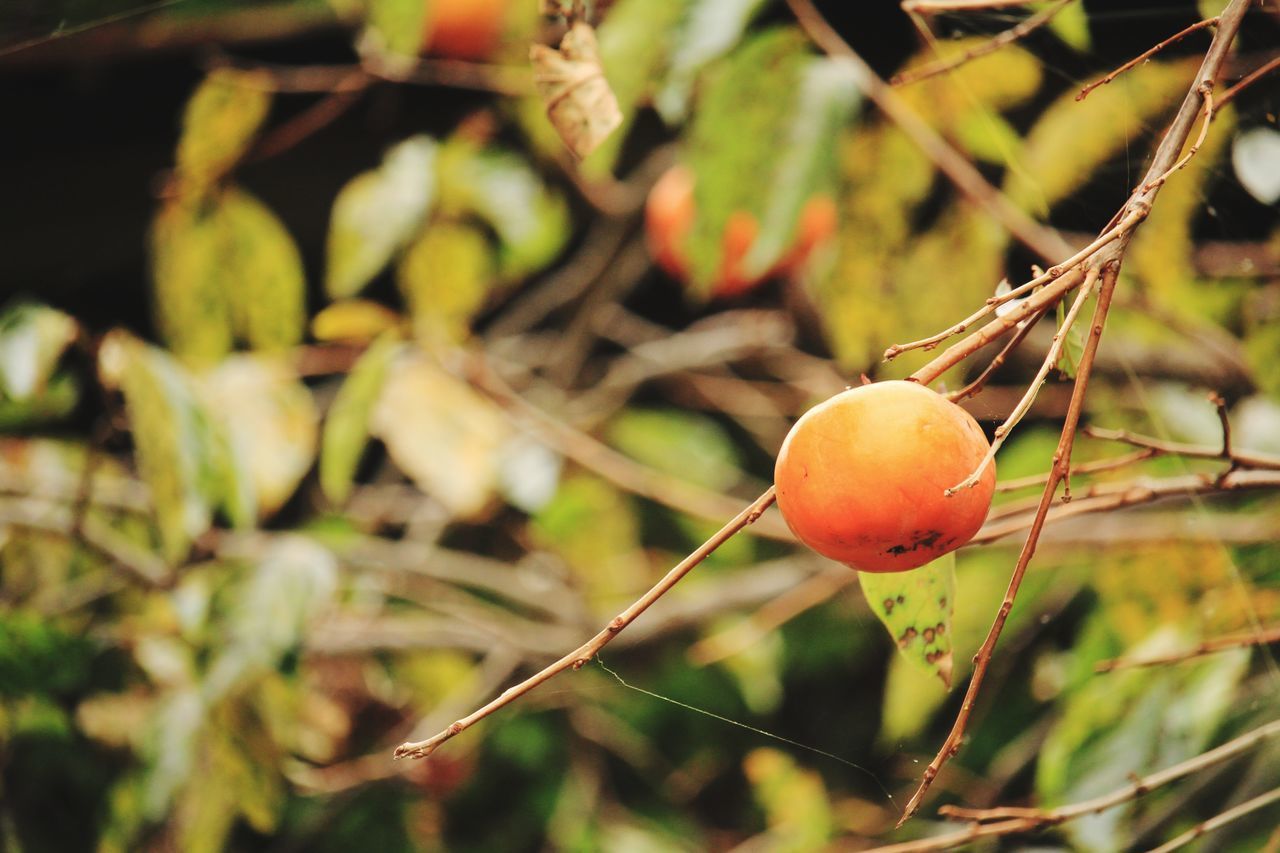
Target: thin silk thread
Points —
{"points": [[778, 738]]}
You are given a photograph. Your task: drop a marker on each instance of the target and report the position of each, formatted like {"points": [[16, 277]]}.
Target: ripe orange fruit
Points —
{"points": [[861, 478], [464, 29], [669, 216]]}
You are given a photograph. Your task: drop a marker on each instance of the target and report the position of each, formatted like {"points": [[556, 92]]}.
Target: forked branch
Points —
{"points": [[1108, 259]]}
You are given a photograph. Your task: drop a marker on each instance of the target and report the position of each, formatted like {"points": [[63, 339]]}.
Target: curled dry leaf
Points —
{"points": [[571, 81]]}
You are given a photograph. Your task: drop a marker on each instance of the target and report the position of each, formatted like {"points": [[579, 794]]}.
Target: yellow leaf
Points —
{"points": [[223, 266], [1072, 138], [354, 320], [445, 278], [186, 263], [220, 122], [264, 280]]}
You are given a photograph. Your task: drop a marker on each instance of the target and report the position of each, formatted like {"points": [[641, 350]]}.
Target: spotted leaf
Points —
{"points": [[916, 607]]}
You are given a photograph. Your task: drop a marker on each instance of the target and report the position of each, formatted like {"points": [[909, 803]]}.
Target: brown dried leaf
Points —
{"points": [[571, 81]]}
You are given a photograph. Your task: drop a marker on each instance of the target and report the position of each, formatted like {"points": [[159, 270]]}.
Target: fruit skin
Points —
{"points": [[669, 216], [464, 29], [861, 478]]}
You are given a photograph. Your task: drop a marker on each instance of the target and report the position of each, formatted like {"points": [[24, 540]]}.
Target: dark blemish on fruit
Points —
{"points": [[941, 629], [942, 601], [902, 600], [928, 635], [920, 540], [907, 636], [888, 605]]}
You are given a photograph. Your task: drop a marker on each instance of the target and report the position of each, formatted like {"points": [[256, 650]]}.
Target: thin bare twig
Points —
{"points": [[1024, 405], [1009, 36], [931, 7], [1231, 814], [299, 79], [1240, 459], [1104, 497], [1084, 468], [1147, 54], [1011, 821], [1248, 80], [316, 117], [1206, 91], [1261, 637], [1056, 271], [584, 653]]}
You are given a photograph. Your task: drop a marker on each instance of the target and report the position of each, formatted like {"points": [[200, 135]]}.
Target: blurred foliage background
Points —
{"points": [[337, 396]]}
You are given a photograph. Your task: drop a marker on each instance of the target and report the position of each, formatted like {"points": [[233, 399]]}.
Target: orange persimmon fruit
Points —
{"points": [[862, 477], [669, 217], [464, 29]]}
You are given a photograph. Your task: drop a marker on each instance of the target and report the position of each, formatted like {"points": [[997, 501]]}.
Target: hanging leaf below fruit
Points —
{"points": [[916, 607]]}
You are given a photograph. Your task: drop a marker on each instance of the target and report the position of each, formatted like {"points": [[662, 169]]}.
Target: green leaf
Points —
{"points": [[445, 277], [916, 608], [988, 136], [346, 428], [707, 30], [1071, 24], [1073, 343], [377, 213], [271, 420], [445, 436], [32, 340], [264, 280], [828, 93], [38, 657], [220, 122], [1133, 721], [748, 105], [530, 220], [594, 528], [183, 454], [169, 749], [55, 403], [686, 445], [394, 31]]}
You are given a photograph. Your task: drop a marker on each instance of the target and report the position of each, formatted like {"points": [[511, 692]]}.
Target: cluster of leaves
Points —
{"points": [[310, 530]]}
